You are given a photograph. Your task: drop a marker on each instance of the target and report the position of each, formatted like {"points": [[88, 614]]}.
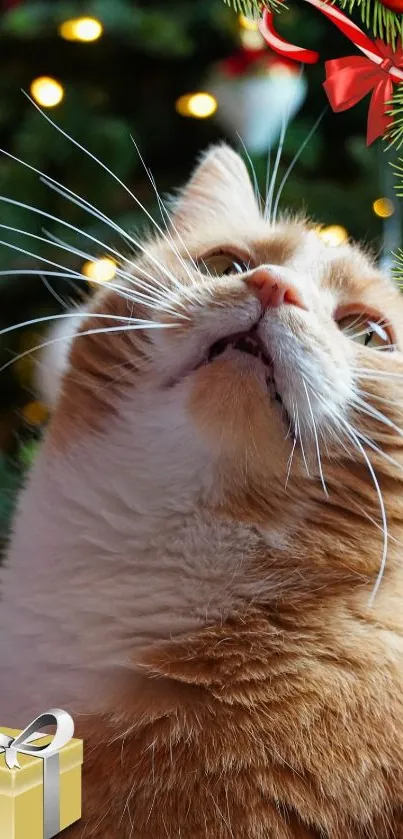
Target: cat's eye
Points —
{"points": [[367, 330], [222, 264]]}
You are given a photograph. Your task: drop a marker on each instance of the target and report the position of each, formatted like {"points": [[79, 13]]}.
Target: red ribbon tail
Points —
{"points": [[282, 47]]}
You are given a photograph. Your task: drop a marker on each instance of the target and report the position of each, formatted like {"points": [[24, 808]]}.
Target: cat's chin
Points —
{"points": [[248, 353]]}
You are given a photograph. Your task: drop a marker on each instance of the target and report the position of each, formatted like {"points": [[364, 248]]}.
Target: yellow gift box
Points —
{"points": [[40, 778]]}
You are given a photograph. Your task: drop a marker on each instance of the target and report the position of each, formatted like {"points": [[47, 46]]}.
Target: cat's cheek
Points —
{"points": [[230, 404]]}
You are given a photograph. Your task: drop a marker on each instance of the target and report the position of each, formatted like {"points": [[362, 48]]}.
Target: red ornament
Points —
{"points": [[393, 5], [246, 60], [243, 60]]}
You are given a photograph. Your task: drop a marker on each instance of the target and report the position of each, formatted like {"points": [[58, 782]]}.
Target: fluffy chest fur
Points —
{"points": [[260, 730], [122, 557]]}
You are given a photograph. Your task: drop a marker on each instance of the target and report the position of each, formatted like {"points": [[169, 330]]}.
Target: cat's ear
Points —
{"points": [[219, 188]]}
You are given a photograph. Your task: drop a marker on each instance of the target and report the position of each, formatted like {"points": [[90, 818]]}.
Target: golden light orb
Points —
{"points": [[198, 105], [100, 270], [83, 29], [248, 23], [383, 207], [333, 235], [35, 413], [251, 39], [46, 91]]}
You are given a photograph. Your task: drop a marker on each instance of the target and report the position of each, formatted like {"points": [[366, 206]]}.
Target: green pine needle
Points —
{"points": [[253, 8], [398, 167], [398, 267], [395, 133], [379, 21]]}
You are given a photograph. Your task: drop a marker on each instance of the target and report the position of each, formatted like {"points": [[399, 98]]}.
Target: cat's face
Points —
{"points": [[260, 397]]}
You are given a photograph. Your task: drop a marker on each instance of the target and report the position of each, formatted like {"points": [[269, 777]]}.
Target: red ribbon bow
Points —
{"points": [[349, 79]]}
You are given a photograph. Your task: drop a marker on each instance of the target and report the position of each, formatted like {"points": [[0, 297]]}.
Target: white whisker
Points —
{"points": [[69, 196], [315, 433], [267, 182], [290, 459], [386, 348], [121, 290], [299, 432], [35, 256], [269, 197], [367, 329], [68, 275], [85, 205], [384, 401], [363, 407], [151, 294], [348, 330], [253, 171], [367, 373], [354, 438], [295, 160], [144, 325], [49, 240], [47, 178], [103, 166], [375, 522], [370, 443], [63, 303], [38, 211], [47, 318], [165, 215]]}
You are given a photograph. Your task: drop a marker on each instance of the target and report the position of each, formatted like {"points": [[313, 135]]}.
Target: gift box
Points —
{"points": [[40, 778]]}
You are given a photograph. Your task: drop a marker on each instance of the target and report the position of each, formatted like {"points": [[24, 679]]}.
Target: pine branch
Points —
{"points": [[395, 133], [398, 266], [253, 8], [380, 21], [398, 167]]}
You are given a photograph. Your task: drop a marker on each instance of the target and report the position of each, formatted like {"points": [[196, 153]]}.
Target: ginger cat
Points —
{"points": [[206, 565]]}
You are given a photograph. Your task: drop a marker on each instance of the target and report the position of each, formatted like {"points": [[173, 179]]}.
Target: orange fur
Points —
{"points": [[294, 728]]}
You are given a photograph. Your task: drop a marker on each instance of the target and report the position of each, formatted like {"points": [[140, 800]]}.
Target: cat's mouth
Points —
{"points": [[246, 342], [251, 344]]}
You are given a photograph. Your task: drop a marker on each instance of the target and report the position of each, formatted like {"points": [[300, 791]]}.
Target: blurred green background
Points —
{"points": [[123, 74]]}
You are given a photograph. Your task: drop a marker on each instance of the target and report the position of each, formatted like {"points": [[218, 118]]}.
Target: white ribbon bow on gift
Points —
{"points": [[64, 732]]}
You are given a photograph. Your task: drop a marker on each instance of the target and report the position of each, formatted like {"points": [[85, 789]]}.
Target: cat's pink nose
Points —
{"points": [[272, 291]]}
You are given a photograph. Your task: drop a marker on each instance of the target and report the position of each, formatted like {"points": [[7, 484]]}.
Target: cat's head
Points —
{"points": [[253, 366]]}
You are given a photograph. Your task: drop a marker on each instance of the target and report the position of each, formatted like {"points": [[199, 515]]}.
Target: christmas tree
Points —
{"points": [[108, 72]]}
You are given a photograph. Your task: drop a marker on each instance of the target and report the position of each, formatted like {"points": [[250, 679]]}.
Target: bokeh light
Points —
{"points": [[333, 235], [100, 270], [84, 29], [198, 105], [383, 207], [251, 39], [248, 23], [46, 91], [35, 412]]}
